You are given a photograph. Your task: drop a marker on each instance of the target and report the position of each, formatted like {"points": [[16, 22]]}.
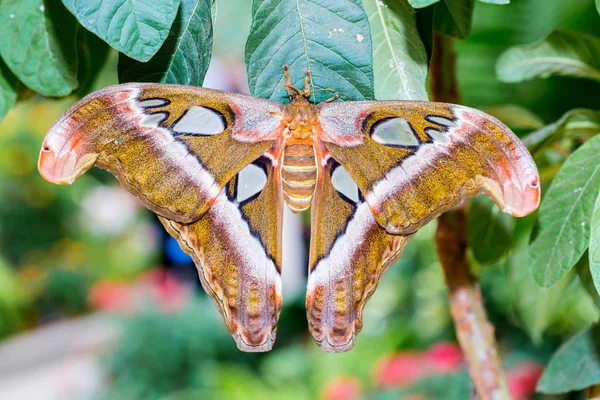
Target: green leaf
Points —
{"points": [[137, 28], [331, 39], [496, 1], [454, 17], [8, 89], [598, 6], [565, 215], [423, 3], [565, 53], [587, 280], [515, 116], [37, 42], [185, 55], [578, 123], [595, 245], [93, 54], [488, 230], [399, 57], [535, 307], [575, 365]]}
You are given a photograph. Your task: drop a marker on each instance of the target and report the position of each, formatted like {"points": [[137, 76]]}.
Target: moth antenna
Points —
{"points": [[290, 88], [334, 98], [306, 83], [288, 82]]}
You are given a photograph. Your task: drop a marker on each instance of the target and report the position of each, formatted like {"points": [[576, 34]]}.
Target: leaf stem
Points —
{"points": [[473, 330]]}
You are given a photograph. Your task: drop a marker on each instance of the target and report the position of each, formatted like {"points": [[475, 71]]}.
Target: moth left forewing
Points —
{"points": [[414, 160], [236, 247], [175, 147], [349, 252]]}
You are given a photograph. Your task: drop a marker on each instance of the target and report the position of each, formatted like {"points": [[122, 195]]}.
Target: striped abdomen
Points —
{"points": [[299, 175]]}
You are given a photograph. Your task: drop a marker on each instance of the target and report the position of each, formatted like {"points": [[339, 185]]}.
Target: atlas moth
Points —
{"points": [[216, 167]]}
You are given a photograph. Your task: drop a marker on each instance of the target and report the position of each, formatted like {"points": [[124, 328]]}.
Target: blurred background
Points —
{"points": [[97, 302]]}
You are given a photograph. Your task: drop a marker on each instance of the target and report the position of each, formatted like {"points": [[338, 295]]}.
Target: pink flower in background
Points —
{"points": [[400, 370], [444, 357], [404, 369], [523, 379], [157, 286], [111, 296], [170, 294], [342, 388]]}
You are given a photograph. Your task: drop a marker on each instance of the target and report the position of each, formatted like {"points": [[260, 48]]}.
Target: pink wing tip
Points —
{"points": [[523, 202], [63, 170]]}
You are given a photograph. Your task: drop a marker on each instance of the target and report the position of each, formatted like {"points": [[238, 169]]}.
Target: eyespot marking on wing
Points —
{"points": [[394, 132], [154, 102], [154, 119], [437, 136], [200, 121], [344, 184], [250, 182], [442, 121]]}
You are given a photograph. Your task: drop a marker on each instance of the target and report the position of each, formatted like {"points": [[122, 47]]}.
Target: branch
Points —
{"points": [[473, 330]]}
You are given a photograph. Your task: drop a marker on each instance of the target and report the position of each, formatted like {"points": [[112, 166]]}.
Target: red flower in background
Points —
{"points": [[404, 369], [523, 379], [158, 286], [111, 296], [342, 388]]}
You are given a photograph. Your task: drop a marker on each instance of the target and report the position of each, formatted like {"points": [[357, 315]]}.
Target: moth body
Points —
{"points": [[299, 169]]}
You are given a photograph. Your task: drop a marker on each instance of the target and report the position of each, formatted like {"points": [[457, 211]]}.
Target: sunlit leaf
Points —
{"points": [[595, 245], [422, 3], [573, 54], [8, 92], [488, 230], [185, 55], [575, 365], [331, 39], [399, 57], [454, 17], [37, 42], [578, 123], [137, 28], [565, 215], [515, 116]]}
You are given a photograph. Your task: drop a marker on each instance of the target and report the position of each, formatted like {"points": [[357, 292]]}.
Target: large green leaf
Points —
{"points": [[37, 42], [137, 28], [573, 54], [185, 55], [515, 116], [93, 53], [578, 123], [536, 308], [488, 230], [422, 3], [575, 365], [598, 6], [453, 17], [399, 57], [565, 215], [496, 1], [331, 39], [595, 245], [8, 89], [496, 28]]}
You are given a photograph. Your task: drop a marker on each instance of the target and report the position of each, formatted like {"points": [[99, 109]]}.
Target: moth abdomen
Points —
{"points": [[299, 175]]}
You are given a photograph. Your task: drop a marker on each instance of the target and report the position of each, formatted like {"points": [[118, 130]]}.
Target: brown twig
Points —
{"points": [[475, 333], [593, 393]]}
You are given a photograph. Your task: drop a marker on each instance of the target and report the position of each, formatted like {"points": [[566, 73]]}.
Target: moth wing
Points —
{"points": [[236, 247], [414, 160], [174, 147], [349, 252]]}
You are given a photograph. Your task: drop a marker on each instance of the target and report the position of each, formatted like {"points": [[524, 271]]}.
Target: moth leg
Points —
{"points": [[333, 98]]}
